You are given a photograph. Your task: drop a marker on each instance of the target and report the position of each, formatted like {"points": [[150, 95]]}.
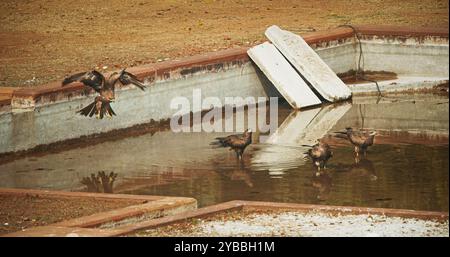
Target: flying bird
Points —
{"points": [[238, 143], [361, 140], [319, 153], [105, 87]]}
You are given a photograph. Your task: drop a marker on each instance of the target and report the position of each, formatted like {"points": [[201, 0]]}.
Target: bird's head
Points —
{"points": [[373, 133], [348, 129], [122, 72]]}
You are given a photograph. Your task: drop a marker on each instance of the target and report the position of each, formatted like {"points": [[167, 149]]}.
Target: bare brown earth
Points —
{"points": [[45, 40], [20, 212]]}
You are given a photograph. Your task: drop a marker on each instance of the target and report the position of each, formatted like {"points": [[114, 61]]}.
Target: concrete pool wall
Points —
{"points": [[45, 114]]}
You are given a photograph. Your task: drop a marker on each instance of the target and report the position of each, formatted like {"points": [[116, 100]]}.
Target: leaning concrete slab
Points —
{"points": [[309, 64], [291, 86]]}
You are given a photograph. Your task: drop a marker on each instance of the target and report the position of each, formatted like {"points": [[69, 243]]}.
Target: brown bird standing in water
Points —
{"points": [[238, 143], [360, 139], [320, 153], [105, 87]]}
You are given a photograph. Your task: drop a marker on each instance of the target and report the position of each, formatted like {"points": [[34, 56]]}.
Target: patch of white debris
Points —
{"points": [[322, 225]]}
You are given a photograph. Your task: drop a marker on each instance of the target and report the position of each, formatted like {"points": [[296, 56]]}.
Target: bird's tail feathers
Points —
{"points": [[91, 110], [88, 110], [219, 142]]}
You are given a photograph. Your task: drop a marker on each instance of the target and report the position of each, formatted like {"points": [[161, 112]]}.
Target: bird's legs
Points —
{"points": [[238, 154], [357, 151]]}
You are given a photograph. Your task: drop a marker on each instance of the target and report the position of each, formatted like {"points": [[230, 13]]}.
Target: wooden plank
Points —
{"points": [[283, 76], [309, 64]]}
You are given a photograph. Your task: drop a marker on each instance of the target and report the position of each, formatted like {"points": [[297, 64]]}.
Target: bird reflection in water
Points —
{"points": [[238, 173], [364, 165], [323, 183], [100, 183], [361, 166]]}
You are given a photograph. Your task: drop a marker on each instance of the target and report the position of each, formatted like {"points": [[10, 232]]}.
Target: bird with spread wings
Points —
{"points": [[105, 88]]}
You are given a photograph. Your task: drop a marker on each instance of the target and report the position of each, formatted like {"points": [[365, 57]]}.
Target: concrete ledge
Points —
{"points": [[388, 30], [52, 92], [402, 84], [153, 206], [29, 97], [45, 115], [55, 231], [77, 227], [256, 205]]}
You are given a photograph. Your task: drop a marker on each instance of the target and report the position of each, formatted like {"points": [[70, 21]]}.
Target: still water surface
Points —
{"points": [[406, 168]]}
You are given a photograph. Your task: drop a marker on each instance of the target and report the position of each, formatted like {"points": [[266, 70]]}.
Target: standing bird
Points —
{"points": [[320, 153], [360, 139], [238, 143], [105, 87]]}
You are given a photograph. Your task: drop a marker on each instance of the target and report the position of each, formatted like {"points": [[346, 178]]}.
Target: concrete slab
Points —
{"points": [[290, 85], [309, 64]]}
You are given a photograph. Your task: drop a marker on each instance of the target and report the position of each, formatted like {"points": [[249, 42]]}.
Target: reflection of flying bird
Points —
{"points": [[105, 87], [360, 139], [238, 143], [101, 183], [320, 153]]}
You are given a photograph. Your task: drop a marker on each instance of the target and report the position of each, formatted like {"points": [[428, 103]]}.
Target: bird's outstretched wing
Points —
{"points": [[127, 78], [92, 79]]}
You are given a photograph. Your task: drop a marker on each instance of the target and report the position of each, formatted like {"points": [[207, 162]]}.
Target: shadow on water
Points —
{"points": [[407, 167]]}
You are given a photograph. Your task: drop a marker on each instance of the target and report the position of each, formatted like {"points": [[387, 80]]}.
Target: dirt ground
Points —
{"points": [[19, 212], [45, 40]]}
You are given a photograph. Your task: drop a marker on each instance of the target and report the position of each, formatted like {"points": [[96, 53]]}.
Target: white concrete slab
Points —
{"points": [[309, 64], [283, 76]]}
